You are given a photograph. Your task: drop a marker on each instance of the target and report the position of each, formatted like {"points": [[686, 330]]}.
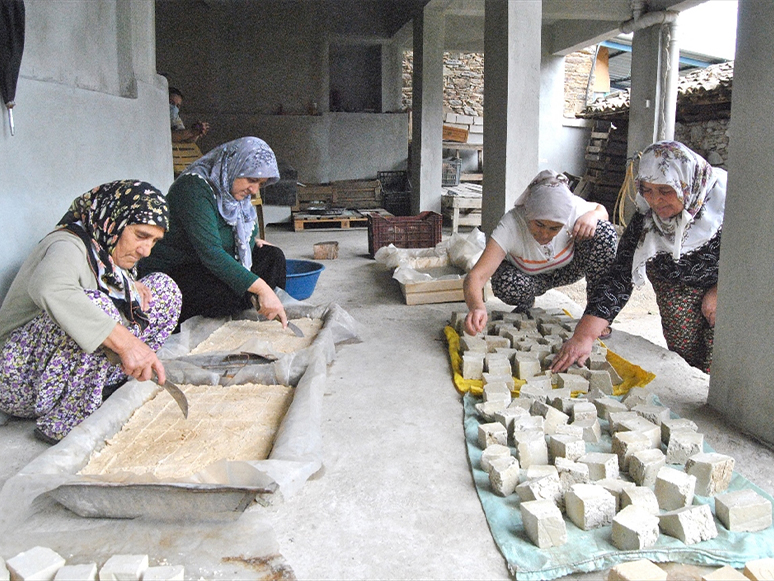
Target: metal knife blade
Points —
{"points": [[176, 393], [296, 331]]}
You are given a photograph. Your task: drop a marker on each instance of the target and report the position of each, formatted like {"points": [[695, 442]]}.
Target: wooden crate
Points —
{"points": [[357, 194], [456, 134], [314, 195], [433, 291]]}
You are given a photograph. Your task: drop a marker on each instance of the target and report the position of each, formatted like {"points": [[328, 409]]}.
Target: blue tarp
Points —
{"points": [[593, 550]]}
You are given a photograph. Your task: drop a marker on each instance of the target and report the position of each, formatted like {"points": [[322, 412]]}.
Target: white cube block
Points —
{"points": [[124, 568], [569, 430], [589, 506], [543, 523], [691, 524], [497, 392], [616, 487], [600, 381], [640, 424], [634, 529], [164, 573], [641, 496], [543, 488], [564, 446], [645, 464], [592, 431], [639, 396], [504, 475], [571, 473], [526, 365], [653, 413], [487, 410], [530, 447], [492, 453], [473, 365], [725, 573], [38, 564], [5, 575], [743, 511], [583, 410], [674, 425], [614, 419], [607, 405], [641, 570], [674, 488], [713, 472], [682, 445], [492, 433], [572, 382], [538, 471], [624, 444], [86, 572], [760, 569], [601, 465]]}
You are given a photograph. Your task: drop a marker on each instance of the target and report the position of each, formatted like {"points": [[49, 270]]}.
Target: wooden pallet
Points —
{"points": [[342, 221]]}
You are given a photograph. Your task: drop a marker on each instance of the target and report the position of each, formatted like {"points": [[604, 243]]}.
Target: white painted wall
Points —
{"points": [[90, 109]]}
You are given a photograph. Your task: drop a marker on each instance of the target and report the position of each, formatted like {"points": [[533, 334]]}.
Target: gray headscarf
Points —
{"points": [[246, 157]]}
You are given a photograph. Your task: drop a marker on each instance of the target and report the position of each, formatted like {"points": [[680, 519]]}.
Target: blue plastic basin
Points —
{"points": [[302, 277]]}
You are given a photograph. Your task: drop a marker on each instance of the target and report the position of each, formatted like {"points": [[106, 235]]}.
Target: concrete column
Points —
{"points": [[392, 76], [653, 101], [552, 147], [427, 107], [742, 365], [512, 40]]}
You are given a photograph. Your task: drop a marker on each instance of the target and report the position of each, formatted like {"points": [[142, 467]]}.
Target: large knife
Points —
{"points": [[292, 326], [176, 393]]}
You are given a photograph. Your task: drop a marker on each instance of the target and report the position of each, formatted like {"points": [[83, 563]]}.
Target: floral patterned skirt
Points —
{"points": [[686, 331], [44, 374]]}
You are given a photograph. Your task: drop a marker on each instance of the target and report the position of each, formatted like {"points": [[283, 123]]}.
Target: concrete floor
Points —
{"points": [[395, 499]]}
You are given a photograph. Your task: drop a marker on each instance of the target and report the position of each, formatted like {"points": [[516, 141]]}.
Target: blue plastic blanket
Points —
{"points": [[593, 550]]}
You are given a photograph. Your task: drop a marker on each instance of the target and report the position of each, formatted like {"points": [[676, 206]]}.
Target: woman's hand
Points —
{"points": [[578, 347], [260, 242], [137, 359], [585, 226], [475, 321], [709, 305], [145, 295], [269, 304]]}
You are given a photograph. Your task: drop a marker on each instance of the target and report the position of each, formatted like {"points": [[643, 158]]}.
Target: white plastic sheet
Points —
{"points": [[297, 451]]}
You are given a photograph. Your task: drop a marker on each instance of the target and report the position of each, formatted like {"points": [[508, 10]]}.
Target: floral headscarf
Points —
{"points": [[547, 197], [98, 218], [702, 191], [247, 157]]}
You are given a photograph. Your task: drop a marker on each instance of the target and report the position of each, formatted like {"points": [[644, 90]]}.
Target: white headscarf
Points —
{"points": [[246, 157], [700, 187], [547, 197]]}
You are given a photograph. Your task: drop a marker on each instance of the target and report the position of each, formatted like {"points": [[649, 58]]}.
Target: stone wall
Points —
{"points": [[707, 138], [463, 81]]}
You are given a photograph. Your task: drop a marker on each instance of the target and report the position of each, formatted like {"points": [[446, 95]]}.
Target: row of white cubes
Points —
{"points": [[646, 570], [45, 564], [588, 487]]}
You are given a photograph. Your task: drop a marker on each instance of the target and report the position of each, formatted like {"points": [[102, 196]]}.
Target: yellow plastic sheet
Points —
{"points": [[632, 375]]}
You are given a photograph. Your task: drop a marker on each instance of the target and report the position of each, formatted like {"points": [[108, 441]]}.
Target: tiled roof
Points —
{"points": [[708, 85]]}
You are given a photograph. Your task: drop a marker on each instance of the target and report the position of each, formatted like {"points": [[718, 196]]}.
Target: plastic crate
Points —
{"points": [[396, 192], [450, 175], [420, 231]]}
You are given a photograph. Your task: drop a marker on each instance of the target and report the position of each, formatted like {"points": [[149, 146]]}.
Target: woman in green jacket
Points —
{"points": [[212, 249]]}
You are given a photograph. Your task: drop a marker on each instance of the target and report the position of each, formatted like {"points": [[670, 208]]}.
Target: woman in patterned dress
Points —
{"points": [[212, 249], [674, 240], [75, 298], [550, 238]]}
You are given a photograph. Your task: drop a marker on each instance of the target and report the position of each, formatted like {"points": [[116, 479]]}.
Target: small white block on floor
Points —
{"points": [[86, 572], [640, 424], [538, 471], [682, 445], [743, 511], [645, 464], [760, 569], [38, 563], [642, 496], [571, 473], [713, 472], [544, 488], [616, 487], [592, 431], [641, 570], [543, 523], [124, 568], [674, 488], [601, 465], [674, 425], [564, 446], [589, 506], [530, 447], [473, 365], [607, 405], [583, 410], [504, 475], [652, 413], [487, 410], [692, 524], [497, 392], [624, 444], [634, 529], [492, 433], [724, 574], [164, 573], [491, 453]]}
